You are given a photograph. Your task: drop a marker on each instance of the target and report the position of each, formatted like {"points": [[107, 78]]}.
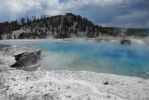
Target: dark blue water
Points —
{"points": [[94, 56]]}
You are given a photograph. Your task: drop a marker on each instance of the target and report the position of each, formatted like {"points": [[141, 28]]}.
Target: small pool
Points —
{"points": [[104, 56]]}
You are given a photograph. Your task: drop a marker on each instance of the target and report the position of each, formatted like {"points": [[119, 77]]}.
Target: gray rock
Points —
{"points": [[19, 57], [27, 59]]}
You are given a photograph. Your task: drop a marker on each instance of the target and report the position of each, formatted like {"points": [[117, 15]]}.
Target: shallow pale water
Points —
{"points": [[94, 56]]}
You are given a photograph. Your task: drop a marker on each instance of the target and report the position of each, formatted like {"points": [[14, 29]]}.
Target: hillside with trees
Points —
{"points": [[61, 26]]}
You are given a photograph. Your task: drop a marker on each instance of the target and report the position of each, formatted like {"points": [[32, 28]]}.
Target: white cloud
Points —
{"points": [[106, 9], [74, 4], [15, 8]]}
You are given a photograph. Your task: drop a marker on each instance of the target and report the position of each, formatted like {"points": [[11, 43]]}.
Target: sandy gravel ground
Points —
{"points": [[70, 85]]}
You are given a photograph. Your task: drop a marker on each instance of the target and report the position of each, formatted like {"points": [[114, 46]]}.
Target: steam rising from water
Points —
{"points": [[54, 60], [81, 54]]}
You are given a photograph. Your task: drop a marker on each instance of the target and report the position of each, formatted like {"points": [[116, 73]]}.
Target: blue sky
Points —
{"points": [[125, 13]]}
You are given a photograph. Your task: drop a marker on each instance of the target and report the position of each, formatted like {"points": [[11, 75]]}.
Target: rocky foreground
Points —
{"points": [[17, 83]]}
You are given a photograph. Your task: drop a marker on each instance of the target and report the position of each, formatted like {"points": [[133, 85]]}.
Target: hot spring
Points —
{"points": [[83, 55]]}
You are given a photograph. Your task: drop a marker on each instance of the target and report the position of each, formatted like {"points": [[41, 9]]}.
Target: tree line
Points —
{"points": [[60, 26]]}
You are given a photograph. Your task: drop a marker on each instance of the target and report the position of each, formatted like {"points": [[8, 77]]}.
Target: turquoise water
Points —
{"points": [[105, 57]]}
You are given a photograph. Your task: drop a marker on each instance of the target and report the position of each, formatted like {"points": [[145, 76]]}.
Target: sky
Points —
{"points": [[123, 13]]}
